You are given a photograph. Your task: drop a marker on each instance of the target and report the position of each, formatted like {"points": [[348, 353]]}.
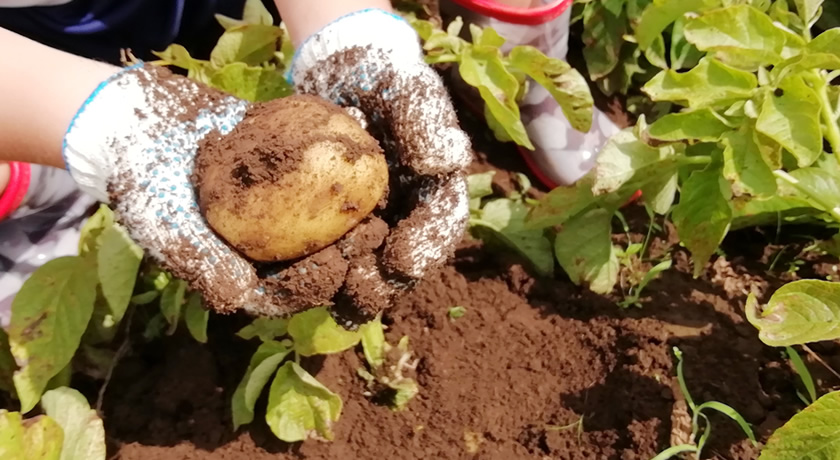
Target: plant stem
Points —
{"points": [[825, 205], [820, 360], [121, 352], [832, 130], [694, 160]]}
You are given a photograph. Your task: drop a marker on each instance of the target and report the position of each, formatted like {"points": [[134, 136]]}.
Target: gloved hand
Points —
{"points": [[372, 60], [133, 145]]}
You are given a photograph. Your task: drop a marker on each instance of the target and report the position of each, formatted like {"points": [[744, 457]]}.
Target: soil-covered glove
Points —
{"points": [[372, 60], [133, 145]]}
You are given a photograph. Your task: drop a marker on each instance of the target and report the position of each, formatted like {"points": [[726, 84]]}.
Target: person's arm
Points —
{"points": [[41, 89], [305, 18]]}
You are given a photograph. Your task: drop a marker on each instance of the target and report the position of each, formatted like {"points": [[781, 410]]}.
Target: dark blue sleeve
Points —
{"points": [[98, 29]]}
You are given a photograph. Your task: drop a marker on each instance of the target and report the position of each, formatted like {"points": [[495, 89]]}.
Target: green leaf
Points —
{"points": [[818, 182], [655, 54], [503, 219], [251, 44], [813, 434], [744, 166], [684, 55], [742, 36], [703, 215], [373, 342], [479, 186], [808, 10], [196, 317], [799, 312], [584, 249], [315, 332], [662, 13], [262, 366], [711, 83], [697, 125], [627, 164], [252, 83], [561, 204], [38, 438], [49, 315], [674, 451], [7, 363], [457, 312], [803, 62], [484, 69], [603, 32], [731, 413], [827, 42], [84, 433], [118, 261], [264, 328], [405, 391], [93, 227], [178, 56], [791, 117], [299, 405], [255, 12], [565, 84], [802, 371], [172, 301]]}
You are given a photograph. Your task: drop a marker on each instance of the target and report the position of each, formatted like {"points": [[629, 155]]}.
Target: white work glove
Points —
{"points": [[133, 145], [372, 60]]}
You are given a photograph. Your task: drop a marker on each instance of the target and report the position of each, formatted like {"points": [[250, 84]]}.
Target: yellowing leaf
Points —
{"points": [[38, 438], [503, 220], [373, 342], [744, 165], [697, 125], [565, 84], [251, 44], [93, 227], [264, 328], [49, 315], [791, 117], [483, 69], [84, 433], [742, 36], [627, 164], [299, 406], [710, 83], [799, 312], [315, 332], [808, 10]]}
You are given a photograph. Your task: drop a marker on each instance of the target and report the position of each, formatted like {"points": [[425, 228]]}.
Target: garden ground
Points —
{"points": [[535, 369]]}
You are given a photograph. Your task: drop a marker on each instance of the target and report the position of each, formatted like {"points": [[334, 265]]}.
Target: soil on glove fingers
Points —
{"points": [[535, 369]]}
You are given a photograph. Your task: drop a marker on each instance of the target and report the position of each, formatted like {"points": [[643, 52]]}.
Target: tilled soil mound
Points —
{"points": [[536, 369]]}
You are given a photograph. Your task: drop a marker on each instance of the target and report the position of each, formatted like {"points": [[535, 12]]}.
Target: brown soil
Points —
{"points": [[536, 369]]}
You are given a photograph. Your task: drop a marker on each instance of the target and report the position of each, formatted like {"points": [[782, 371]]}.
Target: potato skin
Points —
{"points": [[298, 175]]}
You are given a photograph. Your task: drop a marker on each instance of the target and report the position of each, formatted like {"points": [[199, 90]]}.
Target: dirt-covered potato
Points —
{"points": [[293, 177]]}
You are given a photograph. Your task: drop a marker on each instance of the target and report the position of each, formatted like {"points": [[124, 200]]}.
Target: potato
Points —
{"points": [[290, 179]]}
